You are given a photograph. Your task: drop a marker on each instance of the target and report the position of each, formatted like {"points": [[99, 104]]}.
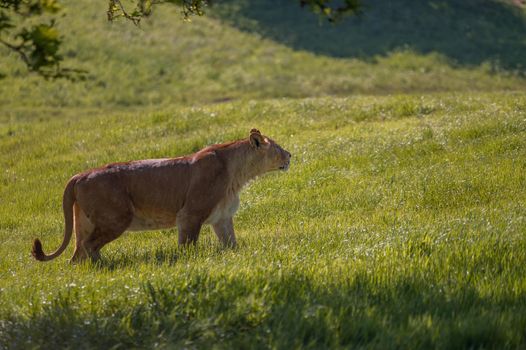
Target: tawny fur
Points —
{"points": [[187, 192]]}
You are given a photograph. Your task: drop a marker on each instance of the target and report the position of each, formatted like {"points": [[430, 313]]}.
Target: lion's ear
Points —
{"points": [[256, 140]]}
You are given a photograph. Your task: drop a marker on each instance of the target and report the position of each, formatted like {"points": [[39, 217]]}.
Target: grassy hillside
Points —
{"points": [[208, 60], [468, 32], [399, 225]]}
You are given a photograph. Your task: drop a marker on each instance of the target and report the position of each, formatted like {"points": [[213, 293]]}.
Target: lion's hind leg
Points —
{"points": [[83, 229], [111, 227], [109, 209], [98, 239]]}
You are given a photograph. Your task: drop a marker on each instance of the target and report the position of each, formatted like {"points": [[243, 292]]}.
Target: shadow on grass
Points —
{"points": [[468, 32], [277, 311], [162, 256]]}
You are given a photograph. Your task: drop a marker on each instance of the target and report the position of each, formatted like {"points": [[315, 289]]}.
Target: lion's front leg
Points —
{"points": [[189, 228], [224, 230]]}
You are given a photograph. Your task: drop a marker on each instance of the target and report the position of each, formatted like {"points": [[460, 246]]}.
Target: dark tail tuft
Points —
{"points": [[37, 251]]}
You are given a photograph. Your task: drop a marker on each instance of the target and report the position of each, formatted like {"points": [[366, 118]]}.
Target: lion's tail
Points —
{"points": [[67, 205]]}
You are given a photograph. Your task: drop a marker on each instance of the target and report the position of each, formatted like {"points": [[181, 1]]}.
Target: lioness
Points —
{"points": [[201, 188]]}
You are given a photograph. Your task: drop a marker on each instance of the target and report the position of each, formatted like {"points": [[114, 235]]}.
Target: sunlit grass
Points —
{"points": [[400, 224]]}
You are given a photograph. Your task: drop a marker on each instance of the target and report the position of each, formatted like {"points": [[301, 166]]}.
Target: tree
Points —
{"points": [[27, 27]]}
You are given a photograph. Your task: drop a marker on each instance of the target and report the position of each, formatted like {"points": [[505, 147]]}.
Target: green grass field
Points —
{"points": [[400, 224]]}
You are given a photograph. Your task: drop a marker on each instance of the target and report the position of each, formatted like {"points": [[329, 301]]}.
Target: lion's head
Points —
{"points": [[270, 155]]}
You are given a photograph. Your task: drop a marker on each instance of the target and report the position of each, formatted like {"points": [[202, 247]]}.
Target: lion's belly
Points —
{"points": [[147, 222]]}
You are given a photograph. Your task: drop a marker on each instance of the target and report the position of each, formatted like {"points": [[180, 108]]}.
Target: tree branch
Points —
{"points": [[17, 49], [117, 3]]}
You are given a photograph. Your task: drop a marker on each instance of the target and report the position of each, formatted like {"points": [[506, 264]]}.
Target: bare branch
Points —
{"points": [[111, 12], [18, 49]]}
